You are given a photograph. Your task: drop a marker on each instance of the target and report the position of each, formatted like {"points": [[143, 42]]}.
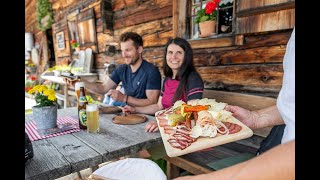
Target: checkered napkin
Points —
{"points": [[65, 125]]}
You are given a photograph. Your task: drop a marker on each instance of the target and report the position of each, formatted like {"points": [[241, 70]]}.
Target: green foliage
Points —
{"points": [[42, 100], [44, 8], [202, 16]]}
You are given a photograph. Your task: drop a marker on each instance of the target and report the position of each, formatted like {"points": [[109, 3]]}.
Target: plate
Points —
{"points": [[205, 142], [129, 119]]}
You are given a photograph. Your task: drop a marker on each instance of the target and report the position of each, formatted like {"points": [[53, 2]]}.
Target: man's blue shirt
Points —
{"points": [[147, 77]]}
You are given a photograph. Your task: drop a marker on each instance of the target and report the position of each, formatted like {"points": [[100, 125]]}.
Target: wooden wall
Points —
{"points": [[252, 66]]}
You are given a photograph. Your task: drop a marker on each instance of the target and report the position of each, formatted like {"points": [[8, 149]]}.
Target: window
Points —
{"points": [[224, 17]]}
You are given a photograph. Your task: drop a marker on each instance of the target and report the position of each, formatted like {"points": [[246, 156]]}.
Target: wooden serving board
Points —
{"points": [[205, 142]]}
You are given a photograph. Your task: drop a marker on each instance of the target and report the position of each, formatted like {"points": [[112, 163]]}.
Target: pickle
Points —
{"points": [[173, 119]]}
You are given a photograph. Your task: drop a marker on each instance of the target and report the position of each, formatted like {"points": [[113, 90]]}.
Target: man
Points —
{"points": [[140, 79], [278, 162]]}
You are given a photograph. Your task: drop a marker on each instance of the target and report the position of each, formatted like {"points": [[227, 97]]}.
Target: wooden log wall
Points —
{"points": [[252, 66]]}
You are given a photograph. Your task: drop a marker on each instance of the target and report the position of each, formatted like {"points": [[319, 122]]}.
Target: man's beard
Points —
{"points": [[134, 60]]}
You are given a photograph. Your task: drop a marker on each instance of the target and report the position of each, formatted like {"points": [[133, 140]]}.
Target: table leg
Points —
{"points": [[65, 89]]}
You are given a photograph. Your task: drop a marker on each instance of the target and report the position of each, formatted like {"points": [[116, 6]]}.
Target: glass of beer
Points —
{"points": [[92, 118]]}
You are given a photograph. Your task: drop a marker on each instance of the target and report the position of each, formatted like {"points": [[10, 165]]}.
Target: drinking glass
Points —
{"points": [[92, 118]]}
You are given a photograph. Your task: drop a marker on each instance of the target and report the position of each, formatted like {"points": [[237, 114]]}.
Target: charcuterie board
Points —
{"points": [[205, 142]]}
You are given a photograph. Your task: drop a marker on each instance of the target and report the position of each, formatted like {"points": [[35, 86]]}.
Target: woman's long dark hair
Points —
{"points": [[186, 68]]}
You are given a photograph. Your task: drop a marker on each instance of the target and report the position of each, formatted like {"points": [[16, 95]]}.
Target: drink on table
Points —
{"points": [[77, 88], [82, 104], [92, 118]]}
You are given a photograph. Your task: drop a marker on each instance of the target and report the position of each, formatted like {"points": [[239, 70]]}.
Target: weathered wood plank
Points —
{"points": [[120, 4], [158, 39], [270, 39], [53, 163], [147, 31], [255, 55], [115, 136], [101, 58], [252, 41], [142, 17], [249, 4], [143, 6], [214, 42], [247, 101], [186, 165], [244, 56], [154, 55], [179, 18], [284, 19], [256, 78], [147, 28], [266, 9], [76, 152], [118, 137]]}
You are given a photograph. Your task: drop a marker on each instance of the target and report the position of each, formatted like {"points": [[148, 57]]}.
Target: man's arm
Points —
{"points": [[152, 98], [100, 88], [277, 163]]}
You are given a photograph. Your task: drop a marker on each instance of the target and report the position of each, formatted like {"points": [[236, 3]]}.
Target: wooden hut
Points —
{"points": [[247, 59], [244, 56]]}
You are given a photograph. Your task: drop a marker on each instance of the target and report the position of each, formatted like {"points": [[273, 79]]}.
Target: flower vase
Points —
{"points": [[45, 117], [207, 28], [77, 49]]}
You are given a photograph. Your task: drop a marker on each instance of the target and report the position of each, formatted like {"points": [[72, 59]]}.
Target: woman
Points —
{"points": [[182, 81]]}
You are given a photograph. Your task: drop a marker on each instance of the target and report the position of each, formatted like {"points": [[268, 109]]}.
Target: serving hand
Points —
{"points": [[246, 116]]}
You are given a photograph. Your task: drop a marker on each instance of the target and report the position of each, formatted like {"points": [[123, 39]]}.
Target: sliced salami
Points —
{"points": [[236, 129]]}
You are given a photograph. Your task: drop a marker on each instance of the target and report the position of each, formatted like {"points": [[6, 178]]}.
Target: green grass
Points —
{"points": [[161, 163]]}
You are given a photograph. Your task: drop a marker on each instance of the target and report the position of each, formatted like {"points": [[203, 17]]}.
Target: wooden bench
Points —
{"points": [[196, 163]]}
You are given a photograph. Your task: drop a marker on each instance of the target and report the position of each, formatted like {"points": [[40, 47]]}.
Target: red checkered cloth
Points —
{"points": [[32, 131]]}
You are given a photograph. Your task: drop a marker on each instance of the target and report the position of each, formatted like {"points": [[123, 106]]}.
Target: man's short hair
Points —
{"points": [[136, 38]]}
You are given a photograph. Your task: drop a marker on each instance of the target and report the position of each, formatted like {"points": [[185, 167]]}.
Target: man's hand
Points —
{"points": [[152, 126], [128, 110], [246, 116], [116, 95]]}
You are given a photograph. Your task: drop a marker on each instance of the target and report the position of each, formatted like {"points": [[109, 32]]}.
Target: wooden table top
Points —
{"points": [[65, 154]]}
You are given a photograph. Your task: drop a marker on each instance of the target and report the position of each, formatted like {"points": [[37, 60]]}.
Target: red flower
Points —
{"points": [[210, 7], [73, 41], [27, 88], [33, 78]]}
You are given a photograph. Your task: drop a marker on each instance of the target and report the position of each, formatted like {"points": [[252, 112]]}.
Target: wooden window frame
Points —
{"points": [[180, 14], [242, 18]]}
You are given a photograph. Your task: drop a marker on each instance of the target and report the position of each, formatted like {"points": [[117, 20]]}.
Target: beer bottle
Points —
{"points": [[82, 104]]}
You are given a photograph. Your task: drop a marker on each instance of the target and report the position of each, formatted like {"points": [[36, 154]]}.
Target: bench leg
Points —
{"points": [[172, 171]]}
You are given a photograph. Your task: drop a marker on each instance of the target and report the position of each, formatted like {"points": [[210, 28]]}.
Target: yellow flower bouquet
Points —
{"points": [[43, 95]]}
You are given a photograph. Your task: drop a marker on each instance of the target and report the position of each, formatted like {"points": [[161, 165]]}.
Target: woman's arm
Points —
{"points": [[151, 109]]}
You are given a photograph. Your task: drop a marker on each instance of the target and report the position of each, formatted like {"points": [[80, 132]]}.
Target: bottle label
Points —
{"points": [[83, 117], [82, 99]]}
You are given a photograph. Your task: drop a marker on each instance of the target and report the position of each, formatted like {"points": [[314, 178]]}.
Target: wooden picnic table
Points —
{"points": [[65, 154]]}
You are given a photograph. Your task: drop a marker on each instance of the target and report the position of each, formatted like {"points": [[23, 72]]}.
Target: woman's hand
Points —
{"points": [[246, 116], [152, 126]]}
